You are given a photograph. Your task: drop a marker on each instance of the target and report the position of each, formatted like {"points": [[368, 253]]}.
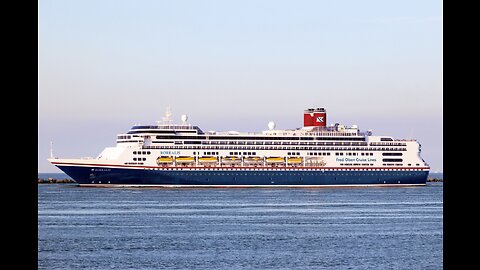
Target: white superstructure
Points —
{"points": [[167, 147]]}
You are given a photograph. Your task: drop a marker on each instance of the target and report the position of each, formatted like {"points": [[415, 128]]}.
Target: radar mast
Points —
{"points": [[167, 119]]}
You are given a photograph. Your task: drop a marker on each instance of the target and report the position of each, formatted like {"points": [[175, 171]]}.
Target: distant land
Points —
{"points": [[436, 174]]}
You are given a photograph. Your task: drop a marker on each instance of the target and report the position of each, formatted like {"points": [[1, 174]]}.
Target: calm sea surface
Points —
{"points": [[253, 228]]}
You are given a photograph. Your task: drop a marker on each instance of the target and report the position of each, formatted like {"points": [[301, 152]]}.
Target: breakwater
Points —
{"points": [[54, 181]]}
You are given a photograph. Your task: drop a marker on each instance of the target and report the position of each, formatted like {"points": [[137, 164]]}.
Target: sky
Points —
{"points": [[106, 65]]}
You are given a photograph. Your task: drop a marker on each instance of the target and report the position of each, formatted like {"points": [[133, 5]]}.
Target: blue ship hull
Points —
{"points": [[101, 176]]}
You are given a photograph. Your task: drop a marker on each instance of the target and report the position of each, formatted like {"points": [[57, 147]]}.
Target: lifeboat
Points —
{"points": [[164, 159], [185, 159], [294, 160], [231, 159], [207, 159], [317, 161], [275, 159], [253, 159]]}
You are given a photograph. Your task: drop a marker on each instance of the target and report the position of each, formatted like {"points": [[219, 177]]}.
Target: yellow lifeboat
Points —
{"points": [[231, 159], [253, 159], [208, 159], [185, 159], [294, 160], [275, 159], [164, 159]]}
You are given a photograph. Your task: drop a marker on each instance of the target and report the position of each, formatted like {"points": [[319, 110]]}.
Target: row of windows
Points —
{"points": [[152, 131], [398, 164], [231, 153], [318, 154], [353, 154], [124, 137], [141, 152], [244, 153], [139, 159], [170, 129], [278, 148], [392, 164], [392, 154], [206, 153], [264, 143], [260, 143], [289, 174], [392, 160], [133, 163], [152, 127], [270, 138], [388, 144], [356, 164]]}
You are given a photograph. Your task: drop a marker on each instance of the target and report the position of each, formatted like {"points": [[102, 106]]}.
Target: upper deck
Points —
{"points": [[310, 134], [168, 128], [336, 130]]}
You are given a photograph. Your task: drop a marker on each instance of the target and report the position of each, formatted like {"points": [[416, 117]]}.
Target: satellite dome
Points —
{"points": [[271, 125], [184, 118]]}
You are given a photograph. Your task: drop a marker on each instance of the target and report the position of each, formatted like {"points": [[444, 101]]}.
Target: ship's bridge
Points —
{"points": [[142, 134], [165, 129]]}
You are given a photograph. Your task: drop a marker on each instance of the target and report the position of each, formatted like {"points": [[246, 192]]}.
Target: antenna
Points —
{"points": [[168, 114]]}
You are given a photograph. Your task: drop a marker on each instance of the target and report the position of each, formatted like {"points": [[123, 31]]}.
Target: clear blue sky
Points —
{"points": [[236, 65]]}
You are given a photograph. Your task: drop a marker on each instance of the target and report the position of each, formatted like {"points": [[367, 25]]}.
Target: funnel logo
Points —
{"points": [[320, 119]]}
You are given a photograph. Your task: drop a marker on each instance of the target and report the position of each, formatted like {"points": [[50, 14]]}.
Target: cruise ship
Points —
{"points": [[315, 155]]}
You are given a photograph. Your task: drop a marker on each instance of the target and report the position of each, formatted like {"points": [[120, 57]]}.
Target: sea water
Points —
{"points": [[240, 228]]}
